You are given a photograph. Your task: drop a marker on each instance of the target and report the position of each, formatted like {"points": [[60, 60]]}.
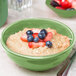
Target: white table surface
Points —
{"points": [[38, 10]]}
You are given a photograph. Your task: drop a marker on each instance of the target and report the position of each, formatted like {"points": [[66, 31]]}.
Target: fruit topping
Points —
{"points": [[41, 35], [35, 35], [30, 38], [54, 3], [48, 37], [36, 45], [49, 44], [63, 4], [43, 31], [24, 38], [66, 4], [36, 39], [29, 32]]}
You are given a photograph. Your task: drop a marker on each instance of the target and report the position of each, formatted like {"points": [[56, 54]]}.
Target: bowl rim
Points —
{"points": [[37, 57]]}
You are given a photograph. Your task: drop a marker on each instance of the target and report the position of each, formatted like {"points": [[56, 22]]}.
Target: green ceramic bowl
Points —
{"points": [[62, 13], [41, 63]]}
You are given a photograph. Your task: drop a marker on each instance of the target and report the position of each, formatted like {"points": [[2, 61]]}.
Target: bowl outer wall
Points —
{"points": [[39, 64], [36, 63], [62, 13]]}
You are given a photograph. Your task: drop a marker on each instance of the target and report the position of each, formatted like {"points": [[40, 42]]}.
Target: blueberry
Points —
{"points": [[36, 39], [54, 3], [43, 31], [41, 35], [30, 38], [70, 9], [29, 32], [49, 44]]}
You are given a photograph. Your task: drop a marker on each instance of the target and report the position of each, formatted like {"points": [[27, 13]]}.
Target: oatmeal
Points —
{"points": [[38, 47]]}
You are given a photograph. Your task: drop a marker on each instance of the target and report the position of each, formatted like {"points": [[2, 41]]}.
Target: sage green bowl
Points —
{"points": [[40, 63], [62, 13]]}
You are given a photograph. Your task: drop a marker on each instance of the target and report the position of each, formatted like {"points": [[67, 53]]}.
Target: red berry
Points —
{"points": [[66, 4], [36, 35], [36, 45], [24, 38], [60, 8], [48, 37]]}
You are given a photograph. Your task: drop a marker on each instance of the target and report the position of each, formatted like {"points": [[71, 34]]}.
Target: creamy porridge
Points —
{"points": [[59, 43]]}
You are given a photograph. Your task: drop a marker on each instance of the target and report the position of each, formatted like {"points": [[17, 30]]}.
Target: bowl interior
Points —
{"points": [[37, 23]]}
